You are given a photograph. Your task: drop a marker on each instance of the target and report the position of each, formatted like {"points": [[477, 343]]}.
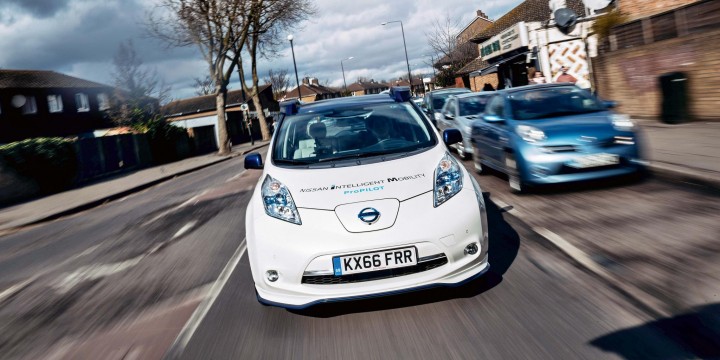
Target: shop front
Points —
{"points": [[509, 55]]}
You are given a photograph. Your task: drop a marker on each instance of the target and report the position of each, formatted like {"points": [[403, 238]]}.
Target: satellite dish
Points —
{"points": [[565, 18], [596, 4], [18, 101]]}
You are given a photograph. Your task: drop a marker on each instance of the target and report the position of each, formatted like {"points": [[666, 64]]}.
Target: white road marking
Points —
{"points": [[15, 288], [184, 229], [92, 272], [202, 310], [235, 177], [193, 200], [574, 252], [508, 208]]}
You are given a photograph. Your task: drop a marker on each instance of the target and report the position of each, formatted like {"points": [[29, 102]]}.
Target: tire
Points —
{"points": [[477, 161], [514, 180]]}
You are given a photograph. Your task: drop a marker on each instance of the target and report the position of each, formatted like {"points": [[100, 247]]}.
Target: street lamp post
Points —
{"points": [[343, 72], [405, 46], [297, 79]]}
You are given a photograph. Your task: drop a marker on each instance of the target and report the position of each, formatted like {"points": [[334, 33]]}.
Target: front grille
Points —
{"points": [[375, 275]]}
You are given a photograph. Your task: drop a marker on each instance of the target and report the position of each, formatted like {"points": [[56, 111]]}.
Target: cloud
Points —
{"points": [[80, 38]]}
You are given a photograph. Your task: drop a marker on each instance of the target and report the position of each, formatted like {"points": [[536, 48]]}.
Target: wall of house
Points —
{"points": [[631, 75], [478, 82], [14, 125], [478, 25], [641, 8]]}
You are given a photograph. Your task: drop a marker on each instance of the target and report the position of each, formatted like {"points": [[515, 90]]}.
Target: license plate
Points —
{"points": [[374, 261], [595, 160]]}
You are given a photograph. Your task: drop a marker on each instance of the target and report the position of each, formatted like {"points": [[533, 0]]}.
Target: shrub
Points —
{"points": [[165, 140], [51, 162]]}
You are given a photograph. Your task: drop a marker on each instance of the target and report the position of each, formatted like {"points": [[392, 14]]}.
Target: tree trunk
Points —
{"points": [[223, 138], [264, 129]]}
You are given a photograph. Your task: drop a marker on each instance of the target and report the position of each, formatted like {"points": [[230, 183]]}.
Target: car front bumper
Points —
{"points": [[295, 251]]}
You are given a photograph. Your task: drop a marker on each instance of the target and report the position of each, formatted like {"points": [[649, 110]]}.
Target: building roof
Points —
{"points": [[309, 90], [528, 11], [475, 65], [207, 102], [33, 79], [401, 82], [366, 85]]}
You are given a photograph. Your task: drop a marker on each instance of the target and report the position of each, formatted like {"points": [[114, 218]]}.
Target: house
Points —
{"points": [[40, 103], [525, 40], [465, 50], [199, 116], [417, 85], [664, 50], [366, 88], [311, 90]]}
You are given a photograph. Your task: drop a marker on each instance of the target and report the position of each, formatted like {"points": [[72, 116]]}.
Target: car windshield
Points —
{"points": [[552, 102], [473, 105], [351, 132]]}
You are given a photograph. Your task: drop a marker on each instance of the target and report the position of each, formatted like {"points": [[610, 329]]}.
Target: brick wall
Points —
{"points": [[641, 8], [630, 76], [477, 83]]}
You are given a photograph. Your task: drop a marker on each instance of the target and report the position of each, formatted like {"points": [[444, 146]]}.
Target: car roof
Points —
{"points": [[534, 86], [329, 104], [473, 94], [450, 90]]}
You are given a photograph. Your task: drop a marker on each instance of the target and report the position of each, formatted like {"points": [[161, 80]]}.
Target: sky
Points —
{"points": [[80, 38]]}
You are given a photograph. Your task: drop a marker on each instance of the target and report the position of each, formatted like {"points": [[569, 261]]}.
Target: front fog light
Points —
{"points": [[272, 275], [471, 249]]}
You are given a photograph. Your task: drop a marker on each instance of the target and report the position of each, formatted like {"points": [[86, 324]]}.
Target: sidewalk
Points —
{"points": [[688, 151], [72, 201]]}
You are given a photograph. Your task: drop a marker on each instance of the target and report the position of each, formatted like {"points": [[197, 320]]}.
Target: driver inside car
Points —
{"points": [[379, 130]]}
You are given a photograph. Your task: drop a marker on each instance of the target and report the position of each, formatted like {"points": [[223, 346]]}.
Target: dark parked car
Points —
{"points": [[435, 100], [554, 133]]}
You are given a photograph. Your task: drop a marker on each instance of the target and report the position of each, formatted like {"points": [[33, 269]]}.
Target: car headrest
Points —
{"points": [[318, 130]]}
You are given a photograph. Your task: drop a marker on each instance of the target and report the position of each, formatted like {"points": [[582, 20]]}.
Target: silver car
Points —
{"points": [[459, 112]]}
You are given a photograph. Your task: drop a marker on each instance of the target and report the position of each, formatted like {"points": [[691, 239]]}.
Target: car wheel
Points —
{"points": [[514, 179], [477, 158]]}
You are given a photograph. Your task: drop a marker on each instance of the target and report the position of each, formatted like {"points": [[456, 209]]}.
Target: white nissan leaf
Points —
{"points": [[360, 197]]}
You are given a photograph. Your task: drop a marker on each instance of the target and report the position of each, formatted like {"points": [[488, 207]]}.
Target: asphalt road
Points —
{"points": [[96, 269], [532, 304]]}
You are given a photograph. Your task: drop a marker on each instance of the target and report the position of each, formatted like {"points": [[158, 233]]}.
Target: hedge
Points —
{"points": [[51, 162]]}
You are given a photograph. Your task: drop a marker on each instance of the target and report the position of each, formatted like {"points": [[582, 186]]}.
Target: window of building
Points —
{"points": [[103, 101], [30, 106], [55, 104], [82, 103]]}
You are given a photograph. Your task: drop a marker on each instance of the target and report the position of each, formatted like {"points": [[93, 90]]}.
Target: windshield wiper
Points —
{"points": [[363, 155], [292, 162]]}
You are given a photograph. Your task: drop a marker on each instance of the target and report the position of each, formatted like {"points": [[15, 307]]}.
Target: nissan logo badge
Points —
{"points": [[369, 215]]}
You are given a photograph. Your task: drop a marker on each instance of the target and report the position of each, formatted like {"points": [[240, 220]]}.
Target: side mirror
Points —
{"points": [[492, 118], [452, 136], [610, 104], [253, 161], [449, 116]]}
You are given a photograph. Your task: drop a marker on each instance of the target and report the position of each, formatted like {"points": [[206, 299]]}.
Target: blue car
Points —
{"points": [[553, 133]]}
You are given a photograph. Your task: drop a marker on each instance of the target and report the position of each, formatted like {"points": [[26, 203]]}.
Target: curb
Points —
{"points": [[675, 173], [126, 192]]}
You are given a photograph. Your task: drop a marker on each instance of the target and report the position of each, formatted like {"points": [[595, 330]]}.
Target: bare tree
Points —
{"points": [[204, 86], [279, 80], [216, 28], [451, 53], [139, 90], [267, 20]]}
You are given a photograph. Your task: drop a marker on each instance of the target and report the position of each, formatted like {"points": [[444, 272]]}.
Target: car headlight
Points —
{"points": [[438, 116], [278, 202], [530, 134], [448, 179], [622, 122]]}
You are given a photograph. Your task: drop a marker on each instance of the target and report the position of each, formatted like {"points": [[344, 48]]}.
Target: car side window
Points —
{"points": [[496, 106]]}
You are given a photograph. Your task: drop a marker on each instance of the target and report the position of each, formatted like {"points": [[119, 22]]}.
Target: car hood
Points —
{"points": [[596, 125], [329, 188]]}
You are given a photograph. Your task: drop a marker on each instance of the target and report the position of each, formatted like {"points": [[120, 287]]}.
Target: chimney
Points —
{"points": [[314, 81], [481, 14], [306, 80]]}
